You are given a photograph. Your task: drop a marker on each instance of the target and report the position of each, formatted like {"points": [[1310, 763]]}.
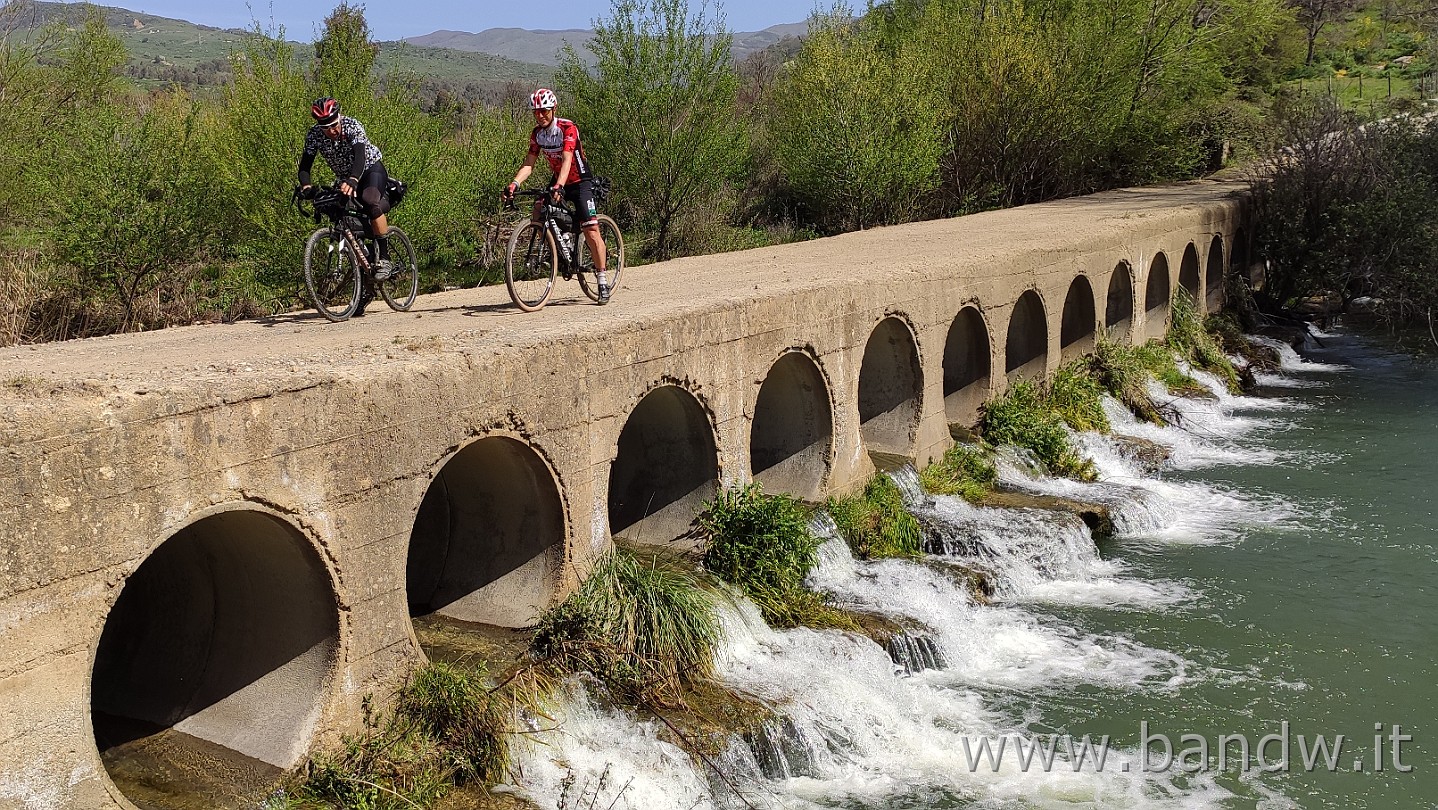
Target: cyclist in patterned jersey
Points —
{"points": [[558, 139], [341, 140]]}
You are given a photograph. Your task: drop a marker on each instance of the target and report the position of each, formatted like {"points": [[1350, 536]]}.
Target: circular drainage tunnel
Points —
{"points": [[220, 645], [793, 428], [890, 389], [665, 469], [488, 541]]}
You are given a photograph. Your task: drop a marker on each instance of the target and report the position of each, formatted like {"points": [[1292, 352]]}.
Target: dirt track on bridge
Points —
{"points": [[276, 350]]}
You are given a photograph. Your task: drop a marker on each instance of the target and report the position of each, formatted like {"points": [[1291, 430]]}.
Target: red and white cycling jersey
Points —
{"points": [[554, 141]]}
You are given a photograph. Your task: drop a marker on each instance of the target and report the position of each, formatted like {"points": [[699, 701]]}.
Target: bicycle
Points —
{"points": [[541, 250], [340, 257]]}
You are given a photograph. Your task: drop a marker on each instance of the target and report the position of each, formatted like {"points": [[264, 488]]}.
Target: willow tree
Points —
{"points": [[657, 113], [854, 124]]}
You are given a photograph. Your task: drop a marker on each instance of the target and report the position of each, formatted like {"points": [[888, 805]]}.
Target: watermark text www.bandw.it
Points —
{"points": [[1193, 753]]}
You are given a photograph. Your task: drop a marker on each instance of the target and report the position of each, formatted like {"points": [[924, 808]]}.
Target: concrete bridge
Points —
{"points": [[225, 530]]}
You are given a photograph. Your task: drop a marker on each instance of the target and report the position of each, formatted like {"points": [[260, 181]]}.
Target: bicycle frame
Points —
{"points": [[338, 207]]}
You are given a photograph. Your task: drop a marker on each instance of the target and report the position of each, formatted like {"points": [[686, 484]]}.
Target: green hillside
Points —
{"points": [[164, 51]]}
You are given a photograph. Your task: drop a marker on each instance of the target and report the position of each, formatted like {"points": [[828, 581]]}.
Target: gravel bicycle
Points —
{"points": [[549, 244], [341, 266]]}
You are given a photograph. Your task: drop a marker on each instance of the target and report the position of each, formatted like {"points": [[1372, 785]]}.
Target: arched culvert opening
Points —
{"points": [[790, 440], [1156, 297], [214, 662], [1076, 330], [890, 389], [1026, 353], [1188, 277], [966, 367], [1118, 311], [1240, 264], [488, 541], [666, 467], [1213, 274]]}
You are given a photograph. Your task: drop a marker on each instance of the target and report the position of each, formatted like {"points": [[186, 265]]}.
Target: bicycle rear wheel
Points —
{"points": [[614, 259], [400, 289], [331, 275], [531, 265]]}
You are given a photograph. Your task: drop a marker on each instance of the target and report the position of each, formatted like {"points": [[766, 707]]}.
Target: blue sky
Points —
{"points": [[396, 19]]}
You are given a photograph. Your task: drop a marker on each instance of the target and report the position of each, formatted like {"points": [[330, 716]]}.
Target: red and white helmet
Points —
{"points": [[543, 99], [326, 111]]}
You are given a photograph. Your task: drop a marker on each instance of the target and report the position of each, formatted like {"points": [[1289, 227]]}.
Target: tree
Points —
{"points": [[657, 112], [345, 55], [854, 124], [1314, 15]]}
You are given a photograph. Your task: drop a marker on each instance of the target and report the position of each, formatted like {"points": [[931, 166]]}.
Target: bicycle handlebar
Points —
{"points": [[323, 197]]}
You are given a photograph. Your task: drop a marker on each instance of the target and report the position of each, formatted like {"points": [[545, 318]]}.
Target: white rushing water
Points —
{"points": [[867, 727]]}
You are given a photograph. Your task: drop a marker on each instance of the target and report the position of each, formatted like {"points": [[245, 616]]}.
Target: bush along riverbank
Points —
{"points": [[683, 674]]}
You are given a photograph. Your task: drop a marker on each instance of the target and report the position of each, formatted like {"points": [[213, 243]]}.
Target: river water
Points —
{"points": [[1276, 578]]}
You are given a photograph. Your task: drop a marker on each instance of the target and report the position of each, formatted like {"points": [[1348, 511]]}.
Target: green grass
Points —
{"points": [[644, 627], [1027, 416], [446, 729], [1189, 337], [875, 523], [965, 470]]}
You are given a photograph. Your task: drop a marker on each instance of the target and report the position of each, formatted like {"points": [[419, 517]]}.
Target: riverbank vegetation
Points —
{"points": [[1347, 215], [127, 209], [762, 544], [875, 522]]}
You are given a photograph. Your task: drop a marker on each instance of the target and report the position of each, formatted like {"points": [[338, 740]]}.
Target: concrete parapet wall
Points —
{"points": [[302, 479]]}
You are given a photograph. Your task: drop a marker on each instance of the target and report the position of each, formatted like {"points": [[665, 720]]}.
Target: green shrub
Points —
{"points": [[1077, 397], [456, 710], [1024, 417], [643, 627], [964, 471], [758, 541], [762, 544], [876, 524]]}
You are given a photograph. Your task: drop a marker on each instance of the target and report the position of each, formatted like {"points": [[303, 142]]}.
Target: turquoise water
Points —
{"points": [[1320, 611]]}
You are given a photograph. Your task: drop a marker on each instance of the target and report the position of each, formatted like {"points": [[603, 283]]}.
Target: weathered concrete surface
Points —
{"points": [[336, 434]]}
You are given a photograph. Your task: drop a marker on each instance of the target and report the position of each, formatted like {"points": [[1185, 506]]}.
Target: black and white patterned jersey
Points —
{"points": [[339, 152]]}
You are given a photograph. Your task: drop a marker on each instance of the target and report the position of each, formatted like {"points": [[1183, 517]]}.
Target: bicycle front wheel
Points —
{"points": [[400, 289], [531, 265], [331, 275], [613, 262]]}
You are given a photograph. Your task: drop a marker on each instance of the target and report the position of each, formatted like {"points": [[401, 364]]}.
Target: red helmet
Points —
{"points": [[543, 99], [326, 111]]}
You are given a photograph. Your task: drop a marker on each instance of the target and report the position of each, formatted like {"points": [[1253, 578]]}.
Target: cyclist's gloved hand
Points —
{"points": [[307, 192], [508, 193], [556, 191]]}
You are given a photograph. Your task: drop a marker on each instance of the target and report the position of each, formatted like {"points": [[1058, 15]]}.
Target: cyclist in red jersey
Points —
{"points": [[558, 139]]}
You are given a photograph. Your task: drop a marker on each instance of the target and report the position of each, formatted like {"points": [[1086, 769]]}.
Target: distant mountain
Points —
{"points": [[164, 50], [544, 46]]}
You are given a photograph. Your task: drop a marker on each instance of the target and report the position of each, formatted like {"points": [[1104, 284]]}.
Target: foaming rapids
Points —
{"points": [[1292, 365], [1029, 554], [852, 728]]}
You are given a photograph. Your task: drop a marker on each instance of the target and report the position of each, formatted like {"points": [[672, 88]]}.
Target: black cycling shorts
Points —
{"points": [[582, 195], [373, 190]]}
